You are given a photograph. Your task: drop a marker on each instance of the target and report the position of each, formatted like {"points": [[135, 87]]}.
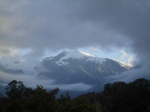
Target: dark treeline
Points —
{"points": [[116, 97]]}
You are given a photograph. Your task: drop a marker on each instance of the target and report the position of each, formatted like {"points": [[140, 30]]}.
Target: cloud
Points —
{"points": [[27, 79], [33, 81], [72, 87], [126, 56], [49, 24], [9, 51], [130, 75], [54, 25]]}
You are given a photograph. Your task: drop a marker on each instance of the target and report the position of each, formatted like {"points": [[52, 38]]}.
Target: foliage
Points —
{"points": [[116, 97]]}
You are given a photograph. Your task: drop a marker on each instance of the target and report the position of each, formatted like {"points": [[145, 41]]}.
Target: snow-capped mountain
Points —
{"points": [[78, 55], [79, 67]]}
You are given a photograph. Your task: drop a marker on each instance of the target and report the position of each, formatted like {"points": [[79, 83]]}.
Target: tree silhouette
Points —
{"points": [[116, 97], [15, 89]]}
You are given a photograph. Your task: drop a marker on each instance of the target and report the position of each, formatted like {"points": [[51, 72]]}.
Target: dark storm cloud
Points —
{"points": [[55, 25], [10, 71], [130, 19], [71, 24]]}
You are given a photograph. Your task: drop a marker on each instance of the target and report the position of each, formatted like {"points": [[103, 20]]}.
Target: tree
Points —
{"points": [[40, 100], [15, 89]]}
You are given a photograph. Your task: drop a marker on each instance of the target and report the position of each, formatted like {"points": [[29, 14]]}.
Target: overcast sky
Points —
{"points": [[30, 29]]}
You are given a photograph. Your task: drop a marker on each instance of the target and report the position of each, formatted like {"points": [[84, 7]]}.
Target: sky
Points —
{"points": [[33, 29]]}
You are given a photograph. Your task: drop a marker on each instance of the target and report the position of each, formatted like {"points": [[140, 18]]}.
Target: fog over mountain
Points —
{"points": [[78, 67], [32, 30]]}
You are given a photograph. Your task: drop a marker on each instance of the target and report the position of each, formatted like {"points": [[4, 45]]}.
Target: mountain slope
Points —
{"points": [[2, 91], [79, 67]]}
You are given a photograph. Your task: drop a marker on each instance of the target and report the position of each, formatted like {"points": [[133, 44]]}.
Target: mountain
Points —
{"points": [[2, 91], [79, 67]]}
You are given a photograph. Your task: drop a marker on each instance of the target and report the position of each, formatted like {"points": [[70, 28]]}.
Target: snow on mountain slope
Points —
{"points": [[96, 59], [123, 64], [86, 54], [80, 63], [78, 55], [62, 58]]}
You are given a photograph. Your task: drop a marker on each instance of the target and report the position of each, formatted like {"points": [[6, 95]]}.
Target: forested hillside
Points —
{"points": [[116, 97]]}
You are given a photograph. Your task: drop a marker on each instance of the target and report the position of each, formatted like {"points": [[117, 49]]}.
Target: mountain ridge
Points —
{"points": [[79, 67]]}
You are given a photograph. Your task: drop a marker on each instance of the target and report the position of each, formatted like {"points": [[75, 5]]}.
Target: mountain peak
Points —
{"points": [[71, 55], [64, 56], [86, 54], [76, 55]]}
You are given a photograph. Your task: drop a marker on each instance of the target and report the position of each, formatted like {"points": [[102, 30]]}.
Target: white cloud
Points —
{"points": [[73, 87], [129, 58]]}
